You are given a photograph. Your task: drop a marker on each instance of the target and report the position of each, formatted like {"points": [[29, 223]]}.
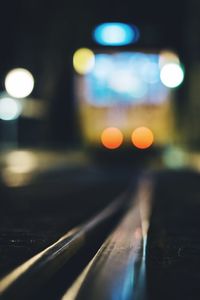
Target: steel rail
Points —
{"points": [[117, 271], [35, 271]]}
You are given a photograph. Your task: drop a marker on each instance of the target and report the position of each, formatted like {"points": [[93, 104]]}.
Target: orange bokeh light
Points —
{"points": [[112, 138], [142, 137]]}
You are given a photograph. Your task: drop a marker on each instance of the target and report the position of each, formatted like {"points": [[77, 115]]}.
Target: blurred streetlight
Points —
{"points": [[172, 75], [10, 109], [19, 83]]}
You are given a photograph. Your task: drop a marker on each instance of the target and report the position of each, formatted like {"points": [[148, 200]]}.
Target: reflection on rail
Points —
{"points": [[117, 270]]}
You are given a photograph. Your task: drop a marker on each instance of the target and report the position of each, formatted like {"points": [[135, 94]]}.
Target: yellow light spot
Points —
{"points": [[83, 61], [166, 57], [112, 138], [142, 137], [21, 161], [19, 168]]}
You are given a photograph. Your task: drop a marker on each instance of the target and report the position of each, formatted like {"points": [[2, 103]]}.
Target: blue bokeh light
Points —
{"points": [[126, 78], [115, 34]]}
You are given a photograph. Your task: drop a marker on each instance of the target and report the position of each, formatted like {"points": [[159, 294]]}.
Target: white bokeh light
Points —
{"points": [[19, 83], [124, 81], [172, 75], [121, 81], [10, 109]]}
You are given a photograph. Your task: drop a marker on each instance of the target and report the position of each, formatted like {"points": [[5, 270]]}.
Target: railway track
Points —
{"points": [[117, 271], [122, 248]]}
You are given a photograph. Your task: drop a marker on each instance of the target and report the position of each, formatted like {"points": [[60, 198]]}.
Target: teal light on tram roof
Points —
{"points": [[115, 34]]}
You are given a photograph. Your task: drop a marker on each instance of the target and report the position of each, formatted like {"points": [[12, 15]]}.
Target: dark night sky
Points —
{"points": [[33, 28]]}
